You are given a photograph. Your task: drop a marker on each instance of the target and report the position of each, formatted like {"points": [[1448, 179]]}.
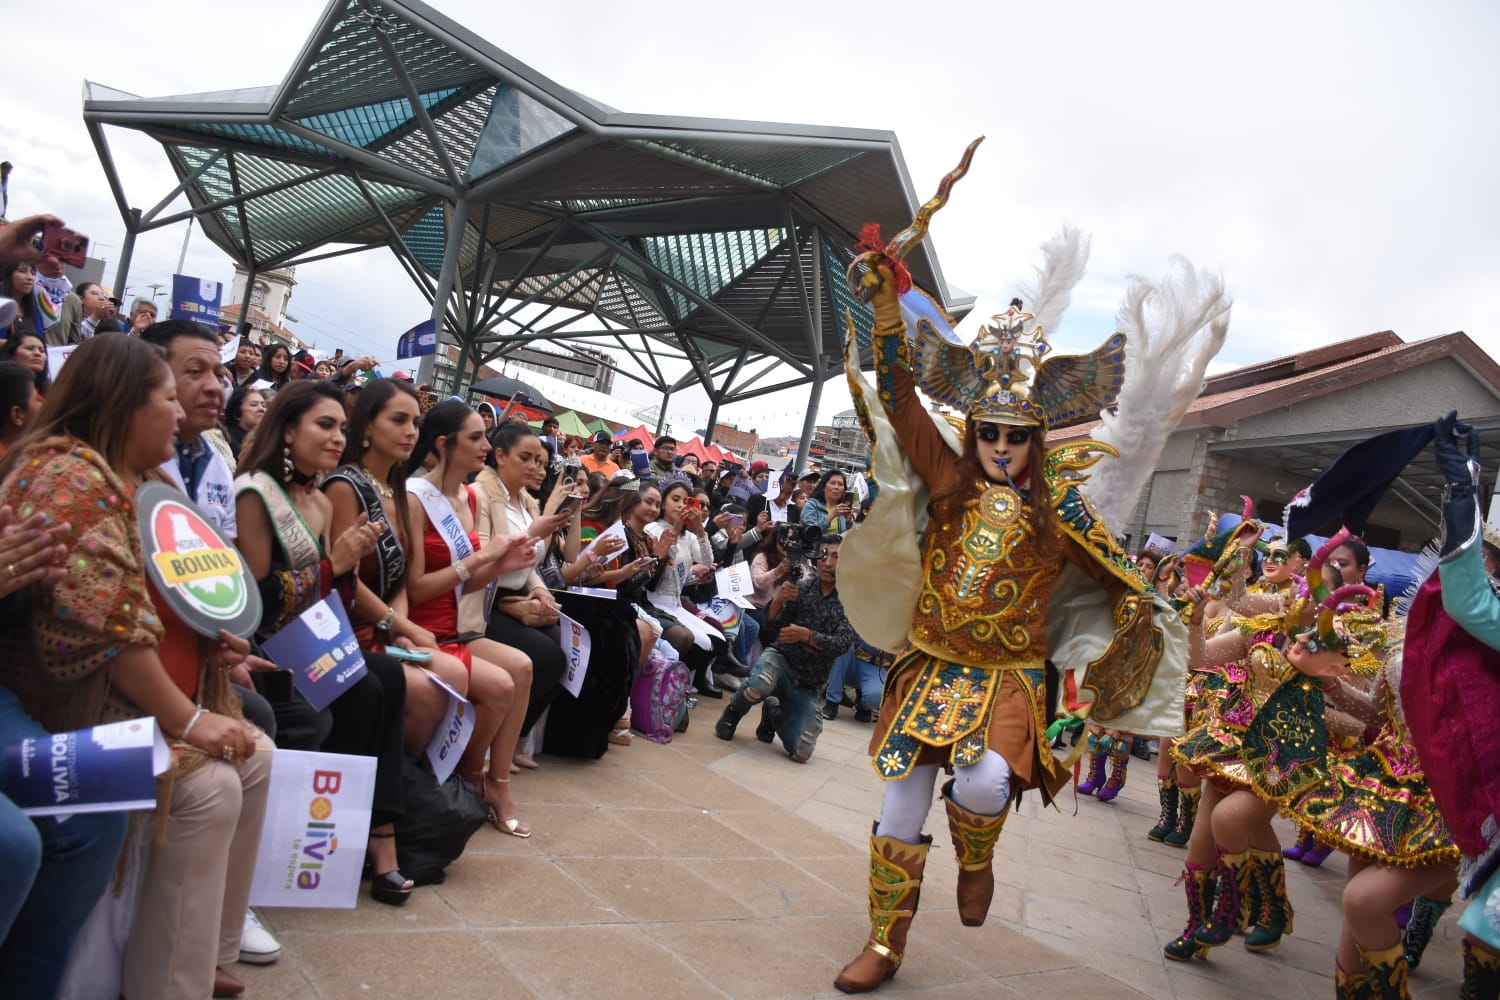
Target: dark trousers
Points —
{"points": [[548, 662], [368, 721]]}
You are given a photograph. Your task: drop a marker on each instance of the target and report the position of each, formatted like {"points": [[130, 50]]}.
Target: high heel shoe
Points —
{"points": [[512, 827], [391, 888]]}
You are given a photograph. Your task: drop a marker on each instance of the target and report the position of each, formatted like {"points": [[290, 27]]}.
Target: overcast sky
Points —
{"points": [[1334, 161]]}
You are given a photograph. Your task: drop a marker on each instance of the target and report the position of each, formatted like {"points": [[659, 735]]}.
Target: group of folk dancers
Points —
{"points": [[989, 571]]}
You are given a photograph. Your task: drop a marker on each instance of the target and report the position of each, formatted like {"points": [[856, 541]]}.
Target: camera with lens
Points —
{"points": [[803, 544]]}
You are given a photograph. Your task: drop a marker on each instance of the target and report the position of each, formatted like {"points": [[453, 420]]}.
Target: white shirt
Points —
{"points": [[215, 491]]}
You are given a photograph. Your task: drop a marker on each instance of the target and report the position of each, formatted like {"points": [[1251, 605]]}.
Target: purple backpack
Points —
{"points": [[658, 698]]}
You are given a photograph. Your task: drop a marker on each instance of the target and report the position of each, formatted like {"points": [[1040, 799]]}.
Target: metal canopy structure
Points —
{"points": [[527, 212]]}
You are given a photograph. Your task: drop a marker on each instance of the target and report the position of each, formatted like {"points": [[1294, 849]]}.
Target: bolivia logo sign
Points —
{"points": [[195, 569]]}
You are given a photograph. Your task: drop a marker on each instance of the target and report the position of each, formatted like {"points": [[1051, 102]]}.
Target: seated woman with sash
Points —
{"points": [[448, 562], [284, 533], [371, 483]]}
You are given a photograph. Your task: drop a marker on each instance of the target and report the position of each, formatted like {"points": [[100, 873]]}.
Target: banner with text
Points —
{"points": [[196, 299], [312, 847], [419, 340], [320, 650]]}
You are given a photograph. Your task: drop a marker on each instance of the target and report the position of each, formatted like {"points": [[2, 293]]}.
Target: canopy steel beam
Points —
{"points": [[238, 199], [404, 176], [493, 305], [234, 181], [767, 345], [456, 223], [298, 262], [182, 186], [423, 118]]}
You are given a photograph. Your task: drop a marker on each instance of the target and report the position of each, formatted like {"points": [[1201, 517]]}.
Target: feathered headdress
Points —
{"points": [[1004, 377]]}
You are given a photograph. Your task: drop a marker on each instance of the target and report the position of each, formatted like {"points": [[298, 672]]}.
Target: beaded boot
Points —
{"points": [[1187, 813], [895, 888], [1167, 792], [1274, 917], [1200, 885]]}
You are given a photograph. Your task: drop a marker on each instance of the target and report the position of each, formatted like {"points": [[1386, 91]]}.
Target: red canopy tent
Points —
{"points": [[647, 438]]}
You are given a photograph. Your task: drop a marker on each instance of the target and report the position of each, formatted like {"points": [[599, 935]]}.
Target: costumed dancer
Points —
{"points": [[1375, 806], [1450, 697], [1235, 875], [968, 690]]}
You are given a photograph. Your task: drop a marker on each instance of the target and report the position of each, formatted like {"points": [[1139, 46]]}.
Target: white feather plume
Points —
{"points": [[1172, 330], [1047, 294]]}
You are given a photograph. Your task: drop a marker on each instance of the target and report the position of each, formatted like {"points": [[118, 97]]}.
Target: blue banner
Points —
{"points": [[320, 650], [419, 340], [196, 299], [109, 768]]}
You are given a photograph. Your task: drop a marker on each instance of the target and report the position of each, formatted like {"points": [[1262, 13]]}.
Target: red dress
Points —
{"points": [[440, 615]]}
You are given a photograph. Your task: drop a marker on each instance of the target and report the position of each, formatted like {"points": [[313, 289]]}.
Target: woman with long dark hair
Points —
{"points": [[30, 351], [275, 366], [449, 562], [370, 482], [242, 414], [523, 614], [18, 281], [285, 532], [100, 646], [829, 507]]}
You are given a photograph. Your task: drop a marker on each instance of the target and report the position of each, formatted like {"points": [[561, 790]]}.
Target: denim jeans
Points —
{"points": [[745, 641], [77, 860], [867, 677], [801, 723]]}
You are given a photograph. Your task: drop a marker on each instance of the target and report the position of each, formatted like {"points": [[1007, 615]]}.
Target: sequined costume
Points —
{"points": [[972, 675], [1376, 804]]}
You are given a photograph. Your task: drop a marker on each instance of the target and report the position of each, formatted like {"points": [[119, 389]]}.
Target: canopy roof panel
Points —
{"points": [[718, 242]]}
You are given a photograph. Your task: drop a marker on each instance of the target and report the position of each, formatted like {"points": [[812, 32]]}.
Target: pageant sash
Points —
{"points": [[296, 537], [449, 528]]}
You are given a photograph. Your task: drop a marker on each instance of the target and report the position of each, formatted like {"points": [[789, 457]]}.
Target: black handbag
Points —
{"points": [[438, 822]]}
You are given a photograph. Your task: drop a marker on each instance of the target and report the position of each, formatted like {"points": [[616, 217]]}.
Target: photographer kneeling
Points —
{"points": [[807, 619]]}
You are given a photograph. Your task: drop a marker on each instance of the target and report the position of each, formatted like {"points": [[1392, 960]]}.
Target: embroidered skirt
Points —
{"points": [[937, 712], [1376, 806]]}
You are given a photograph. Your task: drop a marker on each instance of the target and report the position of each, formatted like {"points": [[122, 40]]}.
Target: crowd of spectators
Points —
{"points": [[456, 537]]}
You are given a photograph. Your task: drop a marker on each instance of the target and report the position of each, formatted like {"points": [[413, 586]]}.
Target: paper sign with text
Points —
{"points": [[312, 847], [320, 650], [616, 530], [451, 737], [735, 583], [108, 768], [575, 645]]}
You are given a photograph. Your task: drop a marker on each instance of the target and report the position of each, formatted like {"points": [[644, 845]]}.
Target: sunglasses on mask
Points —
{"points": [[1280, 556], [990, 433]]}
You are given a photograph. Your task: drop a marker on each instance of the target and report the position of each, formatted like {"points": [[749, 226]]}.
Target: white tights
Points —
{"points": [[982, 788]]}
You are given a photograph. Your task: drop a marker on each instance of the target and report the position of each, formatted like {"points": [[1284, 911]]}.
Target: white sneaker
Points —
{"points": [[257, 946]]}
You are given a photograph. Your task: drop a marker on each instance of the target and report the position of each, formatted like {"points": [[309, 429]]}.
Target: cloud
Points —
{"points": [[1332, 160]]}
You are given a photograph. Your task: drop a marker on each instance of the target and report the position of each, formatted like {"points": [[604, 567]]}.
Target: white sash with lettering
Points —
{"points": [[449, 528], [301, 545]]}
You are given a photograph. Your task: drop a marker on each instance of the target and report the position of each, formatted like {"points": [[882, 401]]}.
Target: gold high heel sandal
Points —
{"points": [[513, 827]]}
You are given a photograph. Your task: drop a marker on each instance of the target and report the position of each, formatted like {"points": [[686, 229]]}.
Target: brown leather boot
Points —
{"points": [[895, 888], [974, 839]]}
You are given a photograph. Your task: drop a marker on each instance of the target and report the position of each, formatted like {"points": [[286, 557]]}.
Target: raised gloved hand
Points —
{"points": [[1456, 446]]}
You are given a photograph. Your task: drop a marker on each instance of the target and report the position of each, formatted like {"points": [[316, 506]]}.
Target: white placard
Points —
{"points": [[229, 350], [451, 737], [312, 847], [57, 357], [860, 487], [575, 645], [735, 583], [616, 530]]}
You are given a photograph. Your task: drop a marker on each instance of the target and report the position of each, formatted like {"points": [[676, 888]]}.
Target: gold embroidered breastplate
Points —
{"points": [[984, 593]]}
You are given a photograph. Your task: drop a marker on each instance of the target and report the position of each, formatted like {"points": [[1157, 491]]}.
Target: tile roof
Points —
{"points": [[1292, 379]]}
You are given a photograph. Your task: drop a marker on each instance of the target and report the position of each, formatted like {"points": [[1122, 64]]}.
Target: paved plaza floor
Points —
{"points": [[712, 869]]}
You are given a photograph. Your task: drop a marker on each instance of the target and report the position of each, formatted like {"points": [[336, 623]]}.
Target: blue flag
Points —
{"points": [[419, 340]]}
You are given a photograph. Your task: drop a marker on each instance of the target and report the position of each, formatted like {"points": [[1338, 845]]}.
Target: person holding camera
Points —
{"points": [[811, 630]]}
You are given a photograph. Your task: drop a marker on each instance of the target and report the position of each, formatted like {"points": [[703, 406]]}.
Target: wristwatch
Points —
{"points": [[386, 621]]}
